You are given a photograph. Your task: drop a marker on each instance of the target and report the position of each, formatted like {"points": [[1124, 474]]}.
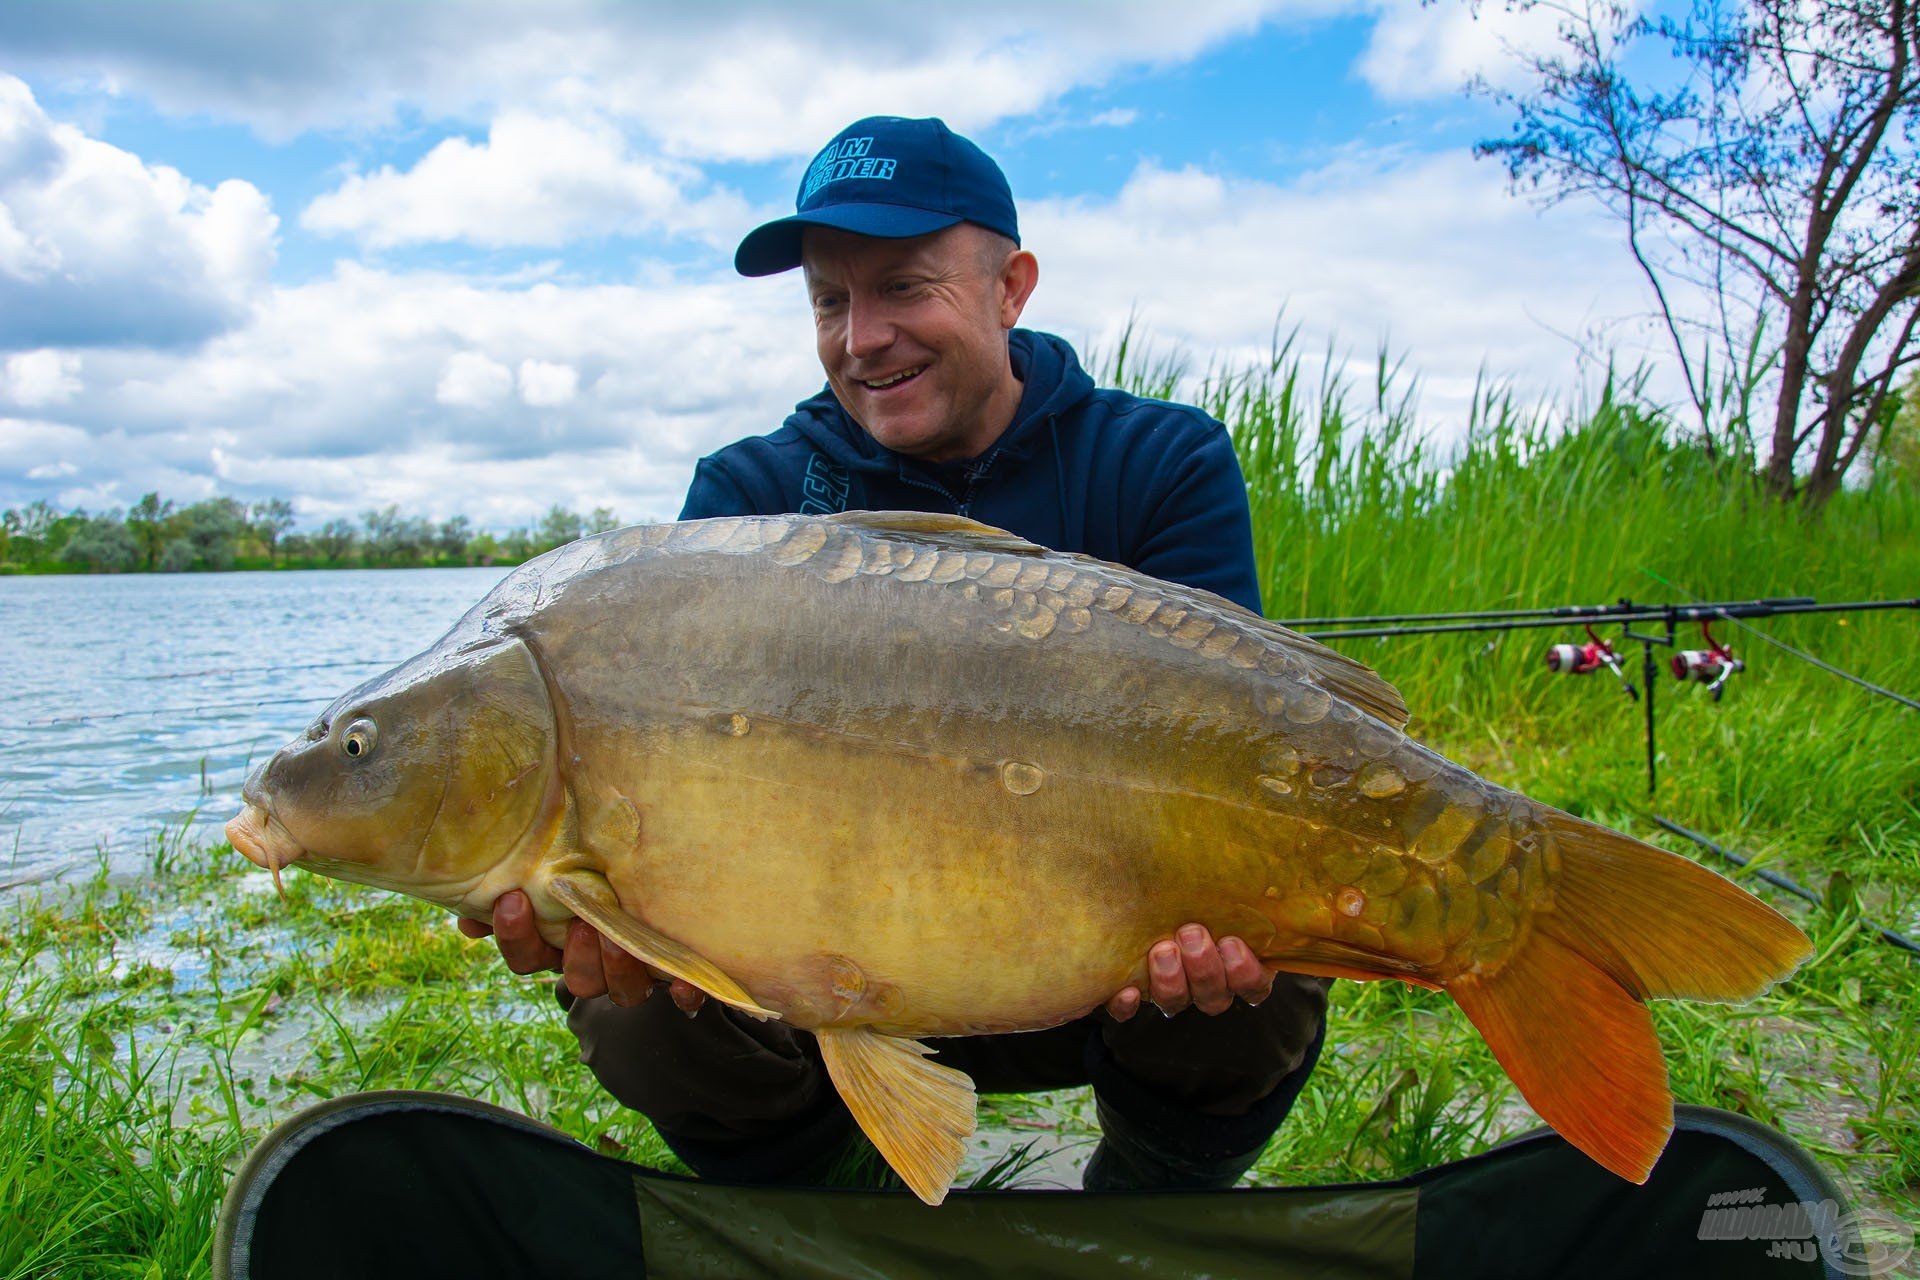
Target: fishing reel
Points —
{"points": [[1712, 666], [1585, 659]]}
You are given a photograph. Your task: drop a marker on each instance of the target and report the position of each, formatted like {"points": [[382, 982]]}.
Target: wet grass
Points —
{"points": [[155, 1022]]}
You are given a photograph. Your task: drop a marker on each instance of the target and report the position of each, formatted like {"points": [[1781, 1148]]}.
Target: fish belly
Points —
{"points": [[949, 896]]}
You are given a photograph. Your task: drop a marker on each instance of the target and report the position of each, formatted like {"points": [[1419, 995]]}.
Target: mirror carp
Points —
{"points": [[820, 766]]}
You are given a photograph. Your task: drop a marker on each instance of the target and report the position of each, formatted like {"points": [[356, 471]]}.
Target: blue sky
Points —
{"points": [[353, 253]]}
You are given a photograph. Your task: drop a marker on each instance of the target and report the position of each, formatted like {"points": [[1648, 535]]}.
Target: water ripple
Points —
{"points": [[131, 702]]}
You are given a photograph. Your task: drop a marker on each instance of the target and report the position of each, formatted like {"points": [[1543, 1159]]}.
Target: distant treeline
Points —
{"points": [[156, 536]]}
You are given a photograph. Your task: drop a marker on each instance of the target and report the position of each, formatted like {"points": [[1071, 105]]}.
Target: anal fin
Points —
{"points": [[589, 896], [1328, 958], [918, 1113]]}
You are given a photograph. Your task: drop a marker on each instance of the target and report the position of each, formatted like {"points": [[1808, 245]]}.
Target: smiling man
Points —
{"points": [[907, 239]]}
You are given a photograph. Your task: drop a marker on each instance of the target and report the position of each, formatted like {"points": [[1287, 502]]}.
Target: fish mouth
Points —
{"points": [[258, 837]]}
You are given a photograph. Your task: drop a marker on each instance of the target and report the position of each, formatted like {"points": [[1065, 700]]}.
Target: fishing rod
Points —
{"points": [[1478, 615], [1711, 666], [1626, 611]]}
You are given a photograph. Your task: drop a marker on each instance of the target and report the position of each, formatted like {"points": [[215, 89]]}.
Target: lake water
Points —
{"points": [[132, 703]]}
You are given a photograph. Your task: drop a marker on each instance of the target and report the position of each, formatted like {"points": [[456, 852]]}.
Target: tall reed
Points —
{"points": [[1360, 506]]}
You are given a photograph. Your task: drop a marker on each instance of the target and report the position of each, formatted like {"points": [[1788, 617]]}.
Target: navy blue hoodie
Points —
{"points": [[1144, 483]]}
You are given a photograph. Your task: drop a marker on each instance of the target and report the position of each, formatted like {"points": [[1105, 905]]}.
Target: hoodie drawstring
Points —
{"points": [[1059, 476]]}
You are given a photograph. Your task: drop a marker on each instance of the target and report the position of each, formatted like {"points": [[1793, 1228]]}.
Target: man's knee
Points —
{"points": [[1193, 1102], [715, 1077], [1220, 1064]]}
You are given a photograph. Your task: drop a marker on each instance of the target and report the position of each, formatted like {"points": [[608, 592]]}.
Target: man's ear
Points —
{"points": [[1018, 275]]}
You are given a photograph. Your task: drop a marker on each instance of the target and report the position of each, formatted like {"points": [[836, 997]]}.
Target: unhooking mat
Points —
{"points": [[427, 1185]]}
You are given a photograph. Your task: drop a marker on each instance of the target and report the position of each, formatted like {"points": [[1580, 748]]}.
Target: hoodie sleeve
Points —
{"points": [[714, 492], [1201, 532]]}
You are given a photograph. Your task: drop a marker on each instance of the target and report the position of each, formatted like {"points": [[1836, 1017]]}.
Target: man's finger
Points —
{"points": [[628, 980], [1124, 1005], [524, 950], [473, 928], [1246, 976], [1166, 980], [686, 997], [585, 977], [1206, 972]]}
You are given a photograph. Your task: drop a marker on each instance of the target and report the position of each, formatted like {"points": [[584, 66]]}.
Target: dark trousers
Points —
{"points": [[751, 1101]]}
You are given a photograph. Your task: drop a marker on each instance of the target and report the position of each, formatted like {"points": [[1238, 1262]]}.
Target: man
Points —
{"points": [[909, 245]]}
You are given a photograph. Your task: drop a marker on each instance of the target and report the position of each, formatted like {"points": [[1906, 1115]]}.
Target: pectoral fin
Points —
{"points": [[1326, 958], [590, 897], [917, 1112]]}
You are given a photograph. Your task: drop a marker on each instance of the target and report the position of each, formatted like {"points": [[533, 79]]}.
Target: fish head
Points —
{"points": [[420, 780]]}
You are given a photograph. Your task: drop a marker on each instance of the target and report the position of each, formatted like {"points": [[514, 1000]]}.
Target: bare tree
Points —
{"points": [[1764, 157]]}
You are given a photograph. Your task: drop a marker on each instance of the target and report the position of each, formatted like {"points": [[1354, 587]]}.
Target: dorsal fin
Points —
{"points": [[958, 530], [1342, 676]]}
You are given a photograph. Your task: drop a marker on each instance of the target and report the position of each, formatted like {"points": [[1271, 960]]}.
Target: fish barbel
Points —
{"points": [[820, 766]]}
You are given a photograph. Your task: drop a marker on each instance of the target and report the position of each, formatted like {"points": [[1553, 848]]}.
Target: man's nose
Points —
{"points": [[869, 331]]}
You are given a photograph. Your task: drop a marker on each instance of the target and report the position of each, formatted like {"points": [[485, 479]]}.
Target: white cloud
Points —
{"points": [[498, 397], [98, 247], [545, 384], [741, 81], [1114, 118], [472, 381], [32, 379], [1428, 253], [1428, 50], [440, 393], [535, 181]]}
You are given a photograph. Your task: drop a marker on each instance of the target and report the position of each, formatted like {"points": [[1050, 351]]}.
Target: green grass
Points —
{"points": [[1357, 512], [155, 1024]]}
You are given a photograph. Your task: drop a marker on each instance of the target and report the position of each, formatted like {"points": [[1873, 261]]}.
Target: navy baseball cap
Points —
{"points": [[890, 177]]}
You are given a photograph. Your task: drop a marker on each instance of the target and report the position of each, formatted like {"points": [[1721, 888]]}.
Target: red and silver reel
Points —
{"points": [[1585, 659], [1712, 666]]}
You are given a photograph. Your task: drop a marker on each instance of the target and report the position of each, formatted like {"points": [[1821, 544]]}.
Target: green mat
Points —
{"points": [[422, 1184]]}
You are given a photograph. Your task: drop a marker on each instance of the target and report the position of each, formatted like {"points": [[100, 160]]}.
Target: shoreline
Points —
{"points": [[162, 1017], [59, 571]]}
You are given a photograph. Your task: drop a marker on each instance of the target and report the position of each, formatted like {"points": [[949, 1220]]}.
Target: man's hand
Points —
{"points": [[1190, 969], [592, 965]]}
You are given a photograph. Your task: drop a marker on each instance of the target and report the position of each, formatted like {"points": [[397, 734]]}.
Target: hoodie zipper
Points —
{"points": [[963, 503], [940, 489]]}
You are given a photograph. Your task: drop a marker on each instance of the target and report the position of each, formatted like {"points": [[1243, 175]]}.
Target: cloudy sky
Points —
{"points": [[477, 258]]}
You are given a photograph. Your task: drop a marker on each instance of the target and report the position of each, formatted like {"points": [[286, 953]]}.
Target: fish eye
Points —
{"points": [[359, 738]]}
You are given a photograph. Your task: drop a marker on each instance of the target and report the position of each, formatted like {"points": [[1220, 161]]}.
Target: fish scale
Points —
{"points": [[824, 767]]}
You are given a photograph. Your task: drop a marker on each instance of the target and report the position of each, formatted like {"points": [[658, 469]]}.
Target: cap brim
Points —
{"points": [[775, 246]]}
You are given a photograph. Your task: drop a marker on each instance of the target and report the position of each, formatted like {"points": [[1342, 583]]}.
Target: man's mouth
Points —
{"points": [[893, 379]]}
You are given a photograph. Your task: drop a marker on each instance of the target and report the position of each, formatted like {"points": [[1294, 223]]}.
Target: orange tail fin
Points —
{"points": [[1563, 1014]]}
